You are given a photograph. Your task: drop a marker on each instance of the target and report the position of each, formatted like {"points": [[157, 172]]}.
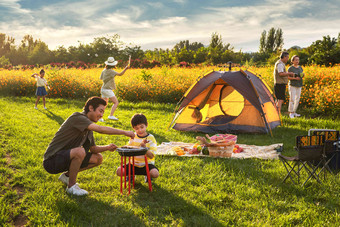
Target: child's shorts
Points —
{"points": [[140, 170], [107, 93], [41, 91]]}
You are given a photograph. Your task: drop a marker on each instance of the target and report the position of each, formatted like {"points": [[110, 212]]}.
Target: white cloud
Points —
{"points": [[239, 25]]}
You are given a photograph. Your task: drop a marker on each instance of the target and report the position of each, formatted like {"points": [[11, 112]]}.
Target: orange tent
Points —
{"points": [[227, 102]]}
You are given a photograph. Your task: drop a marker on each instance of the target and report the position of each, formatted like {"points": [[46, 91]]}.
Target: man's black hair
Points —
{"points": [[94, 102], [284, 54], [138, 119]]}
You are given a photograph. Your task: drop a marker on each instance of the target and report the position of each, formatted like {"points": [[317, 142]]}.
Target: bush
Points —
{"points": [[320, 92]]}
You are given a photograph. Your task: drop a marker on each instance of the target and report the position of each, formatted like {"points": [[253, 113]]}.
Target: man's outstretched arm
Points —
{"points": [[110, 131]]}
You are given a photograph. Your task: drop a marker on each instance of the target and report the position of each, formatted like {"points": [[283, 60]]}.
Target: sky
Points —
{"points": [[161, 24]]}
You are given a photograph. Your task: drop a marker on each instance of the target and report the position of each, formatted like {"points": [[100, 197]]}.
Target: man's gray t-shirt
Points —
{"points": [[71, 134]]}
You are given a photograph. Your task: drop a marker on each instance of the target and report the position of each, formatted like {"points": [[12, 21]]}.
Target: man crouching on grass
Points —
{"points": [[73, 148]]}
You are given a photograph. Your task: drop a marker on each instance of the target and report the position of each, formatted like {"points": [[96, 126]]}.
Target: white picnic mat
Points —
{"points": [[249, 151]]}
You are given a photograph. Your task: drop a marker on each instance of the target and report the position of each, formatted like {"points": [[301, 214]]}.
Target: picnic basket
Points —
{"points": [[221, 150]]}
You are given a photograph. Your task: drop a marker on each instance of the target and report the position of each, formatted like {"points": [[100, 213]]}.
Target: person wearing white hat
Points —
{"points": [[107, 76]]}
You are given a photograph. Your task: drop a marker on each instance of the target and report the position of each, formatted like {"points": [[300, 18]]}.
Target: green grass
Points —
{"points": [[189, 192]]}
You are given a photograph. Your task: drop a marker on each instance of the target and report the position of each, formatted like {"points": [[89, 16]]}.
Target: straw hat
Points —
{"points": [[111, 61]]}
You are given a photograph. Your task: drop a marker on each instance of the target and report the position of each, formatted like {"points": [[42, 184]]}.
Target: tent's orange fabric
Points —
{"points": [[225, 102]]}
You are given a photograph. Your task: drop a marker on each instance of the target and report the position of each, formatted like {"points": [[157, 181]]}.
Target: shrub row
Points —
{"points": [[320, 93]]}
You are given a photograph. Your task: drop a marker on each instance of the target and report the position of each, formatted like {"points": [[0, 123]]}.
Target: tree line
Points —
{"points": [[32, 51]]}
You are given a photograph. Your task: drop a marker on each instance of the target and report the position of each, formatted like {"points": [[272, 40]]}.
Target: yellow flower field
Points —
{"points": [[321, 90]]}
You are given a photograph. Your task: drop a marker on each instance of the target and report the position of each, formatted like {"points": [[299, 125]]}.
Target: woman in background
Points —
{"points": [[108, 78], [295, 85]]}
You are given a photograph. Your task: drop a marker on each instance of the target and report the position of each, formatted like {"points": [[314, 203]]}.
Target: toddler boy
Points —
{"points": [[142, 138]]}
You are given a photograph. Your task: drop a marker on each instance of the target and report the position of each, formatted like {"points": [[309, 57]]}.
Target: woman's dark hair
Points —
{"points": [[138, 119], [42, 71], [94, 102]]}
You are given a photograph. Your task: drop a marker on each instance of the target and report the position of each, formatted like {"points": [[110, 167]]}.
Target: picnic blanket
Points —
{"points": [[249, 151]]}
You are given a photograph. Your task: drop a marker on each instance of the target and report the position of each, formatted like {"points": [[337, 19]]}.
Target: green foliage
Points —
{"points": [[6, 44], [185, 56], [146, 75], [4, 61], [40, 54], [32, 51], [270, 45], [270, 42], [325, 51], [201, 55], [189, 192]]}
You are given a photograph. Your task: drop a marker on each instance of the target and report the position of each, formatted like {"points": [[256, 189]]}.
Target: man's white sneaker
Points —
{"points": [[112, 118], [291, 115], [296, 115], [101, 120], [75, 190], [35, 107], [63, 178]]}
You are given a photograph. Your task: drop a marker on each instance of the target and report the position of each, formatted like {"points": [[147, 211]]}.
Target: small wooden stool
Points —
{"points": [[131, 153]]}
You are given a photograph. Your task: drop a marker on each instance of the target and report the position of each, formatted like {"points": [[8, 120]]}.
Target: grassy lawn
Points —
{"points": [[190, 191]]}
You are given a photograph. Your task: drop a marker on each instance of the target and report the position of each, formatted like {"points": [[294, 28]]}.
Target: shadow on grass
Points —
{"points": [[79, 211], [260, 174], [169, 209], [120, 124], [53, 116]]}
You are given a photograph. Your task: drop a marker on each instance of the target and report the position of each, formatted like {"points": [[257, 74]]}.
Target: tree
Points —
{"points": [[201, 55], [104, 47], [166, 57], [278, 44], [135, 52], [25, 49], [263, 42], [6, 44], [185, 55], [4, 61], [189, 46], [216, 49], [61, 55], [216, 42], [325, 51], [302, 53], [28, 43], [40, 54], [182, 44], [270, 42], [195, 46]]}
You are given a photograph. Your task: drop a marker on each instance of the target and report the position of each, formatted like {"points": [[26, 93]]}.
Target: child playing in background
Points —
{"points": [[41, 90], [108, 76], [142, 139]]}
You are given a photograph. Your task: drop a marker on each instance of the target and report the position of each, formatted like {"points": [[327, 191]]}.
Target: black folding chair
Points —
{"points": [[331, 149], [310, 150]]}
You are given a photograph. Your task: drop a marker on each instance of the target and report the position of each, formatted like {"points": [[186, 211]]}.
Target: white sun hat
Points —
{"points": [[111, 61]]}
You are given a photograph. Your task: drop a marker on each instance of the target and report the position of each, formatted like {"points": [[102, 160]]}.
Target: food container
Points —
{"points": [[223, 151]]}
